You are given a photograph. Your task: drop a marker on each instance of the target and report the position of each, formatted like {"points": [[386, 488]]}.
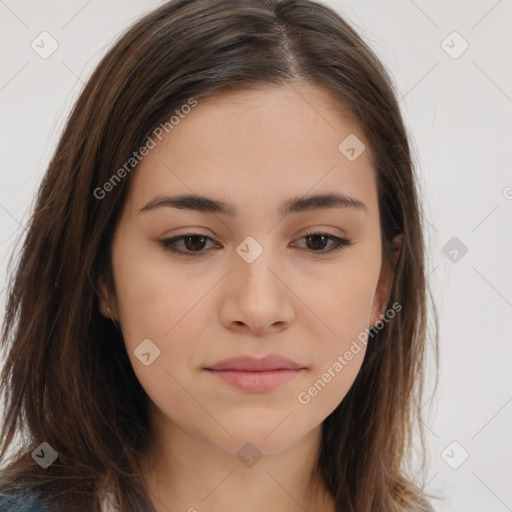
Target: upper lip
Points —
{"points": [[249, 363]]}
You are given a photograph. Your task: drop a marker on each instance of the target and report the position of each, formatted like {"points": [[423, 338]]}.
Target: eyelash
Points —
{"points": [[167, 244]]}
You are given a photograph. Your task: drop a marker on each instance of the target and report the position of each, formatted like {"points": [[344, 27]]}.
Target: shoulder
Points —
{"points": [[20, 503], [23, 500]]}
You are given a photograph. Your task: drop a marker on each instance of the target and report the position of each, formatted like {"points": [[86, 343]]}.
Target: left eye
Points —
{"points": [[322, 238], [194, 243]]}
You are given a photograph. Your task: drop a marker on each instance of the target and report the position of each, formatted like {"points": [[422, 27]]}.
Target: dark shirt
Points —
{"points": [[22, 503]]}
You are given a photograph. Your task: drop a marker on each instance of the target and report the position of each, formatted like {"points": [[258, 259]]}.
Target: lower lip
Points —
{"points": [[255, 382]]}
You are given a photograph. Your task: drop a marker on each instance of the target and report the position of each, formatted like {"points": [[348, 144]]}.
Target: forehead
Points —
{"points": [[262, 143]]}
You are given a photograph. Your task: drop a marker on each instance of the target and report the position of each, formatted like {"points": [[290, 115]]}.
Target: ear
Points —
{"points": [[107, 300], [385, 282]]}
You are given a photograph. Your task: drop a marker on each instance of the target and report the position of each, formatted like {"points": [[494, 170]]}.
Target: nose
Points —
{"points": [[255, 299]]}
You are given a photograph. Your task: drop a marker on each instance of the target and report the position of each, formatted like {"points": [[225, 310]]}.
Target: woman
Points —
{"points": [[221, 298]]}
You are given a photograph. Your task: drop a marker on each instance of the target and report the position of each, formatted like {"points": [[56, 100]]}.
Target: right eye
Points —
{"points": [[192, 242]]}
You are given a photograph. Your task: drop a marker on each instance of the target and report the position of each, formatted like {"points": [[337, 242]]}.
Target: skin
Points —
{"points": [[254, 148]]}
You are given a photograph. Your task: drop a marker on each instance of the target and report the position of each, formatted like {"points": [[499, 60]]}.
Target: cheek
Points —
{"points": [[157, 303], [157, 307], [154, 298], [339, 310], [339, 327], [340, 295], [328, 387], [337, 358]]}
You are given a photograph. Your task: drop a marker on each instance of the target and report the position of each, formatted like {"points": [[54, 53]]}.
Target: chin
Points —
{"points": [[264, 439]]}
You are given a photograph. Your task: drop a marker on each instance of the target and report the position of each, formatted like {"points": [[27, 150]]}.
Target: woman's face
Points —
{"points": [[251, 282]]}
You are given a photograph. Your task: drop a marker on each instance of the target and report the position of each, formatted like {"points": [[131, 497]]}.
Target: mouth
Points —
{"points": [[255, 382], [256, 375]]}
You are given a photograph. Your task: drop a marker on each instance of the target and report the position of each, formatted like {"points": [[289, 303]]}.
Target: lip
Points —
{"points": [[260, 364], [256, 375]]}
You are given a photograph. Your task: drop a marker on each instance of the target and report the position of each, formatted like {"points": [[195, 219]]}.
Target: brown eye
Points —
{"points": [[316, 242], [193, 244]]}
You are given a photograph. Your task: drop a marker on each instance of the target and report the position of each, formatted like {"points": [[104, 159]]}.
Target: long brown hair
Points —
{"points": [[67, 378]]}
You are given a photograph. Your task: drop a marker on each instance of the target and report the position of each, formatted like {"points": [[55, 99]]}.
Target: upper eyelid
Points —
{"points": [[339, 242], [193, 233]]}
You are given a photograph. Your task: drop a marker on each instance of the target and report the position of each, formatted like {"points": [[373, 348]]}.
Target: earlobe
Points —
{"points": [[396, 249], [377, 309], [385, 284], [107, 303]]}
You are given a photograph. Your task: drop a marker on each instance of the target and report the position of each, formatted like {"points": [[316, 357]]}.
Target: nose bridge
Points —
{"points": [[255, 259], [255, 296]]}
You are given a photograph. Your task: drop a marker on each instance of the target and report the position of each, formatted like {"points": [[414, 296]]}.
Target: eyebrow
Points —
{"points": [[297, 204]]}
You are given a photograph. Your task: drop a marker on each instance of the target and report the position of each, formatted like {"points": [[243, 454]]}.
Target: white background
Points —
{"points": [[459, 112]]}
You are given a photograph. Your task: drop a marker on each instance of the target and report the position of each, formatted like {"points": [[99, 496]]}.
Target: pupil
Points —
{"points": [[195, 238], [312, 237]]}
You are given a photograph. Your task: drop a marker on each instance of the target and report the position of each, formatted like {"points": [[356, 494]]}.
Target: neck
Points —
{"points": [[189, 473]]}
